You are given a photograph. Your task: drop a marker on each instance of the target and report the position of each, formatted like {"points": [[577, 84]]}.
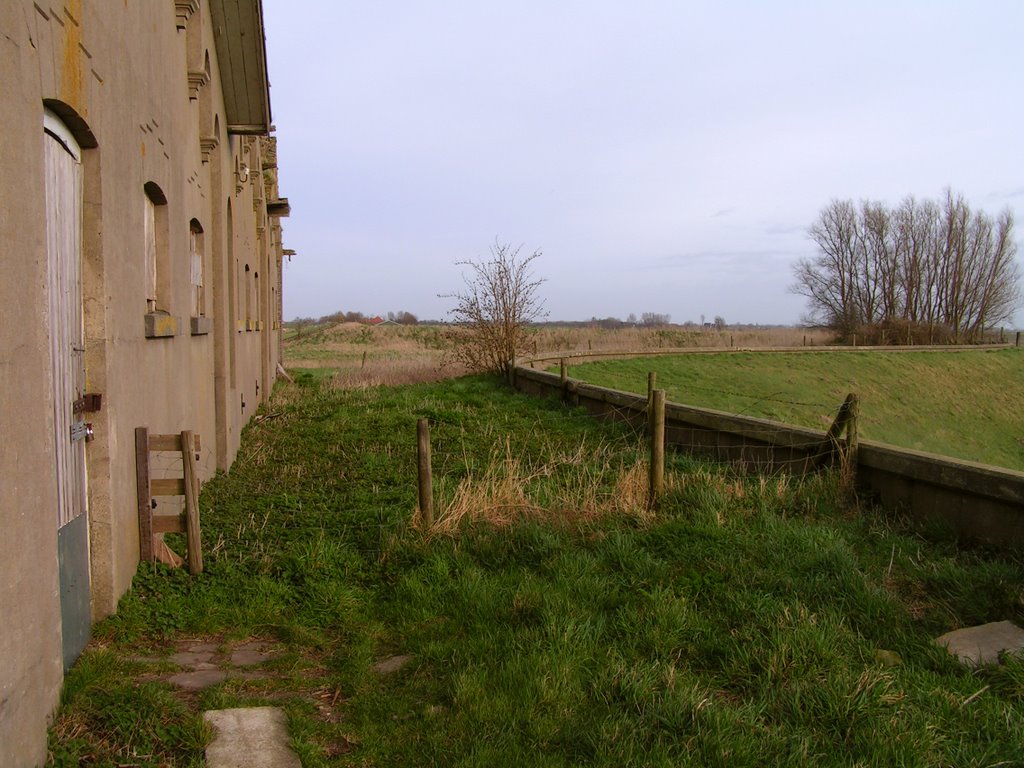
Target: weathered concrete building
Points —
{"points": [[141, 248]]}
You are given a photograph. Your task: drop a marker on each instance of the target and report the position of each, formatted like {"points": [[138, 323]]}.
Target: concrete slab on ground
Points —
{"points": [[983, 644], [250, 737]]}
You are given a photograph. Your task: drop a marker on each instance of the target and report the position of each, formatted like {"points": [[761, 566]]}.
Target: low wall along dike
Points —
{"points": [[976, 501]]}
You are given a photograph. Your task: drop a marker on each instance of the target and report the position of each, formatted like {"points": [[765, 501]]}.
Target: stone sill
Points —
{"points": [[201, 326], [159, 325]]}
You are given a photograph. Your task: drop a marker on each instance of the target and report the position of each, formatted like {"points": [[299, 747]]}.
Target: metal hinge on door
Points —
{"points": [[81, 430]]}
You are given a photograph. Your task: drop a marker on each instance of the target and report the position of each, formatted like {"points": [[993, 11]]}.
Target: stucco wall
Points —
{"points": [[120, 71]]}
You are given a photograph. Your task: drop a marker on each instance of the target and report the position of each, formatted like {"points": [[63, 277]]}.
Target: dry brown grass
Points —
{"points": [[366, 356], [417, 368], [590, 483], [555, 340], [393, 355]]}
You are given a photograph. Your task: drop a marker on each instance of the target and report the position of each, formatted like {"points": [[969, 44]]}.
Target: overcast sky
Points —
{"points": [[664, 156]]}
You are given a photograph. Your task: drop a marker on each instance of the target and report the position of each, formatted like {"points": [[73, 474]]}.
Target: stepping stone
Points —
{"points": [[198, 679], [391, 664], [984, 643], [246, 657], [190, 658], [201, 647], [250, 737]]}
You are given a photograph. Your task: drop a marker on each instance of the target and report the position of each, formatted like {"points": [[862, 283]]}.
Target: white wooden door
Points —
{"points": [[67, 358]]}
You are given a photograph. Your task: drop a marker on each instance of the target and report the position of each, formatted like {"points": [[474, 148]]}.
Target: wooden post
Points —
{"points": [[652, 382], [145, 496], [563, 375], [657, 468], [188, 463], [590, 347], [854, 342], [839, 424], [731, 344], [364, 360], [426, 485], [852, 435], [1002, 335], [1018, 338], [805, 340]]}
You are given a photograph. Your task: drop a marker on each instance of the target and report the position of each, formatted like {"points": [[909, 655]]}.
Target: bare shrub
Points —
{"points": [[494, 309]]}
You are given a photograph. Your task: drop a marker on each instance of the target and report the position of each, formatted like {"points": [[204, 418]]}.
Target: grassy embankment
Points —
{"points": [[962, 404], [742, 624]]}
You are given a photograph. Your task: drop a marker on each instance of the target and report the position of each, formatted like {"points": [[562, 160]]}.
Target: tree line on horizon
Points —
{"points": [[925, 266], [401, 317]]}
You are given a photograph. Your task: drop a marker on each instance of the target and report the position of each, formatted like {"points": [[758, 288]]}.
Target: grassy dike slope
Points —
{"points": [[740, 625], [968, 405]]}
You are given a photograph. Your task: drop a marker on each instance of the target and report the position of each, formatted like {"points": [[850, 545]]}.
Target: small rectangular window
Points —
{"points": [[196, 270]]}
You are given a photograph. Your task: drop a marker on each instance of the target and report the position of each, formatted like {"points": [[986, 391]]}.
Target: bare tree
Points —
{"points": [[655, 319], [301, 325], [493, 311], [924, 264]]}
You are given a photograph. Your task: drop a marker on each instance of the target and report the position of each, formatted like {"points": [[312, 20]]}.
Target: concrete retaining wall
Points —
{"points": [[976, 501]]}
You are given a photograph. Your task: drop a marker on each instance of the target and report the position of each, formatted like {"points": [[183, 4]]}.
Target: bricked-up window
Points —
{"points": [[197, 256], [257, 315], [248, 298], [155, 228]]}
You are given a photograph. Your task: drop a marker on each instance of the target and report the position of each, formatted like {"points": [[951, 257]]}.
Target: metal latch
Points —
{"points": [[88, 403], [81, 430]]}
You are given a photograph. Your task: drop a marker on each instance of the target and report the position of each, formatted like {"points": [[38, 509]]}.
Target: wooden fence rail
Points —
{"points": [[974, 500]]}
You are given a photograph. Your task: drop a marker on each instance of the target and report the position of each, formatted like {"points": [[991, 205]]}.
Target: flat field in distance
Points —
{"points": [[363, 355], [966, 404]]}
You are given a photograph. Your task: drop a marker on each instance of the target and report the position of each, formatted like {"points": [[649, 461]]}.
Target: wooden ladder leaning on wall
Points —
{"points": [[150, 524]]}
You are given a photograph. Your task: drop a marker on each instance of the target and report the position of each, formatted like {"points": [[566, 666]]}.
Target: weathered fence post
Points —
{"points": [[805, 340], [1018, 338], [563, 377], [657, 469], [191, 476], [426, 483], [652, 382], [852, 436], [364, 360]]}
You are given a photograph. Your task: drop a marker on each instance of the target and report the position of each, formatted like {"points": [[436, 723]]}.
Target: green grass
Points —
{"points": [[961, 404], [740, 625]]}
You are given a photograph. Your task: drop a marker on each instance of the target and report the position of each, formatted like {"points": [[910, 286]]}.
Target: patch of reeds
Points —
{"points": [[589, 483]]}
